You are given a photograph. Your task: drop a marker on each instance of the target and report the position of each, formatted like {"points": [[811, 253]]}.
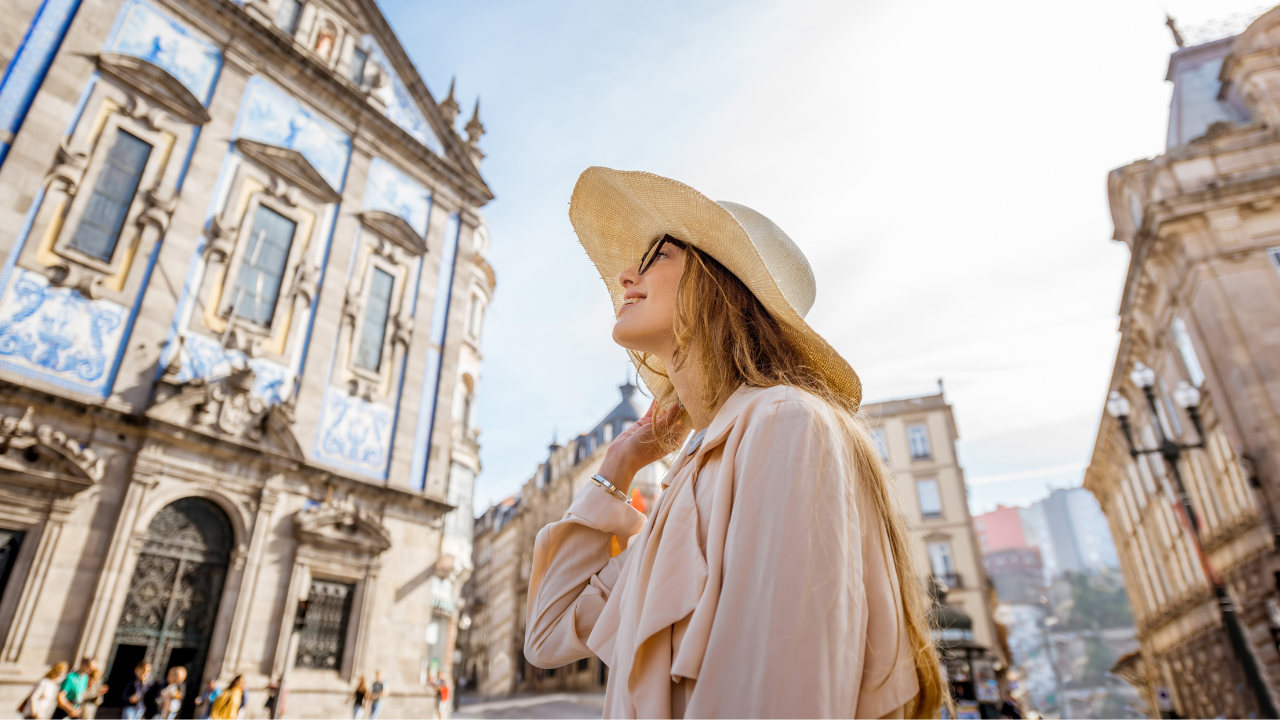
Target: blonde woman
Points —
{"points": [[43, 698], [774, 578], [226, 706]]}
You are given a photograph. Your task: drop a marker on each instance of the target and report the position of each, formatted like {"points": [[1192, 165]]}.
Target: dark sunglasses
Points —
{"points": [[655, 249]]}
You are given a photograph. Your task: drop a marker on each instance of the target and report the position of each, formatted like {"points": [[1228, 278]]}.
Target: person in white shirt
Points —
{"points": [[43, 698]]}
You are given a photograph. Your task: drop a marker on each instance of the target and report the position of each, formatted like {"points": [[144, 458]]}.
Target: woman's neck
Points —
{"points": [[691, 389]]}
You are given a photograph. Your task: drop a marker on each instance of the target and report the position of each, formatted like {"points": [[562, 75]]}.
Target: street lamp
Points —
{"points": [[1188, 397]]}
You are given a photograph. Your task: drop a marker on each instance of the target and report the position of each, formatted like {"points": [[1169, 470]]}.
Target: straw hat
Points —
{"points": [[618, 213]]}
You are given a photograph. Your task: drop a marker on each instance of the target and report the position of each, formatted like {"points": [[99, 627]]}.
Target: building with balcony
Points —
{"points": [[1200, 322], [242, 288]]}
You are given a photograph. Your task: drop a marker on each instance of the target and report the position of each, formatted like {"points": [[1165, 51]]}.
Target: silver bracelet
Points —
{"points": [[611, 489]]}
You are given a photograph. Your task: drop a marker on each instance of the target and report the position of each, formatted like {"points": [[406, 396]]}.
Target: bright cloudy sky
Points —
{"points": [[942, 165]]}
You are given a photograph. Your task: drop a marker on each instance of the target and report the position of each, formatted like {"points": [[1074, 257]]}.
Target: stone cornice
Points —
{"points": [[251, 40], [143, 427]]}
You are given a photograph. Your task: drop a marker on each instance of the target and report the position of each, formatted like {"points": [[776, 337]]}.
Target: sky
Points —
{"points": [[942, 165]]}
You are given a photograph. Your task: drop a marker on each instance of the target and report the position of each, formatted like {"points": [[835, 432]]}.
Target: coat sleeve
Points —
{"points": [[573, 575], [789, 630]]}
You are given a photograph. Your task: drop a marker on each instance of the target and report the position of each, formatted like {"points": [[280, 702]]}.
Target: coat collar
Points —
{"points": [[717, 431]]}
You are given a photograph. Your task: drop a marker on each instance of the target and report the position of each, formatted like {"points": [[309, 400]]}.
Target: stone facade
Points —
{"points": [[1201, 306], [917, 437], [240, 309], [493, 648]]}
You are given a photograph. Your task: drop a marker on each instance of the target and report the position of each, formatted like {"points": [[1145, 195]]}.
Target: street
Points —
{"points": [[558, 705]]}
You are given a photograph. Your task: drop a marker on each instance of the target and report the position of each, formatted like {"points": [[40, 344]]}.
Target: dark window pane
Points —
{"points": [[356, 70], [369, 352], [262, 268], [113, 191]]}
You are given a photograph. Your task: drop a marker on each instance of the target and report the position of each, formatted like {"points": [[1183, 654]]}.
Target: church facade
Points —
{"points": [[241, 296]]}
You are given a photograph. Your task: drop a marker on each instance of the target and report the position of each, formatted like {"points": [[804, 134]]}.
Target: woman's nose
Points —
{"points": [[630, 276]]}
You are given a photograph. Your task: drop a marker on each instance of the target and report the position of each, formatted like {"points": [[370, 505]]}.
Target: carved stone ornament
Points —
{"points": [[291, 166], [68, 169], [394, 228], [227, 408], [340, 525], [45, 458], [154, 83]]}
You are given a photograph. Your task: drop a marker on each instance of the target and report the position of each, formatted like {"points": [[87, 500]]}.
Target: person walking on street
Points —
{"points": [[775, 558], [360, 699], [273, 705], [204, 703], [377, 692], [227, 705], [43, 698], [94, 693], [171, 697], [74, 688], [135, 692]]}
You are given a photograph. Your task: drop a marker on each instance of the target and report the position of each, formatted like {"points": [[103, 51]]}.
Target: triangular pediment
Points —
{"points": [[396, 229], [341, 526], [292, 166], [156, 85], [455, 147]]}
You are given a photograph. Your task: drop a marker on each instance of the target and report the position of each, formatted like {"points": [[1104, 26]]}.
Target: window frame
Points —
{"points": [[928, 443], [162, 144], [297, 17], [937, 489], [380, 377], [297, 247], [881, 440], [358, 340], [364, 64], [950, 555]]}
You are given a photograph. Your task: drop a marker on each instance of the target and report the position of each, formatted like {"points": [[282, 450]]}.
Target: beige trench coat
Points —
{"points": [[756, 588]]}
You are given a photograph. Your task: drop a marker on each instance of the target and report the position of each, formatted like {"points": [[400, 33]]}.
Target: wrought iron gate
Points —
{"points": [[173, 597]]}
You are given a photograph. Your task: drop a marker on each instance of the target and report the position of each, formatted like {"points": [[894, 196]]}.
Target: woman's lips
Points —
{"points": [[628, 303]]}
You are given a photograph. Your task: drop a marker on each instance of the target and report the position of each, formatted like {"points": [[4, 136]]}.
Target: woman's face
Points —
{"points": [[646, 320]]}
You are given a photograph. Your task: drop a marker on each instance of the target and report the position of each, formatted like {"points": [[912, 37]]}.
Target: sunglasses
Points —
{"points": [[655, 248]]}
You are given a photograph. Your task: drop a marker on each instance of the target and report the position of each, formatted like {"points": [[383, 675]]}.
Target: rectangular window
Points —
{"points": [[287, 15], [324, 628], [355, 71], [103, 219], [918, 437], [262, 269], [930, 499], [882, 445], [369, 353], [584, 664], [1181, 338], [940, 559]]}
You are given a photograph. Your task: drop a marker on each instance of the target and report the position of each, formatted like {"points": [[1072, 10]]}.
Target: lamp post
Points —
{"points": [[1188, 397]]}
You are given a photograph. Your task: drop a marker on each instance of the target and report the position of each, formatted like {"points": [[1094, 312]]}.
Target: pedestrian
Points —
{"points": [[94, 692], [433, 683], [135, 692], [171, 697], [442, 687], [44, 696], [228, 703], [74, 689], [204, 703], [776, 550], [377, 692], [273, 699], [360, 698]]}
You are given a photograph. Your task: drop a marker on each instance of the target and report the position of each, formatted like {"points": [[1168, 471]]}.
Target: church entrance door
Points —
{"points": [[173, 598]]}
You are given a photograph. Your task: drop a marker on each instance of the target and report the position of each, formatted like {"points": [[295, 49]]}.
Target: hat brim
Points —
{"points": [[617, 213]]}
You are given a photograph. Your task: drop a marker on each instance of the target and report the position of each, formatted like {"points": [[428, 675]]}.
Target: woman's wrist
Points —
{"points": [[617, 472]]}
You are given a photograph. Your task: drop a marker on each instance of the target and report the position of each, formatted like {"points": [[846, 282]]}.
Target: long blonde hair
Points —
{"points": [[723, 328]]}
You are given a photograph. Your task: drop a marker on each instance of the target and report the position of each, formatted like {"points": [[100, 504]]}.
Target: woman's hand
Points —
{"points": [[643, 443]]}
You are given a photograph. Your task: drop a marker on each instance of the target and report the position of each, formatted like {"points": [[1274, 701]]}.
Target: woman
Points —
{"points": [[360, 697], [43, 698], [226, 706], [774, 575]]}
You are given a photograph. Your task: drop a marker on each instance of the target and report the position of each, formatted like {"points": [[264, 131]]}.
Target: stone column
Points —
{"points": [[248, 586], [32, 590]]}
